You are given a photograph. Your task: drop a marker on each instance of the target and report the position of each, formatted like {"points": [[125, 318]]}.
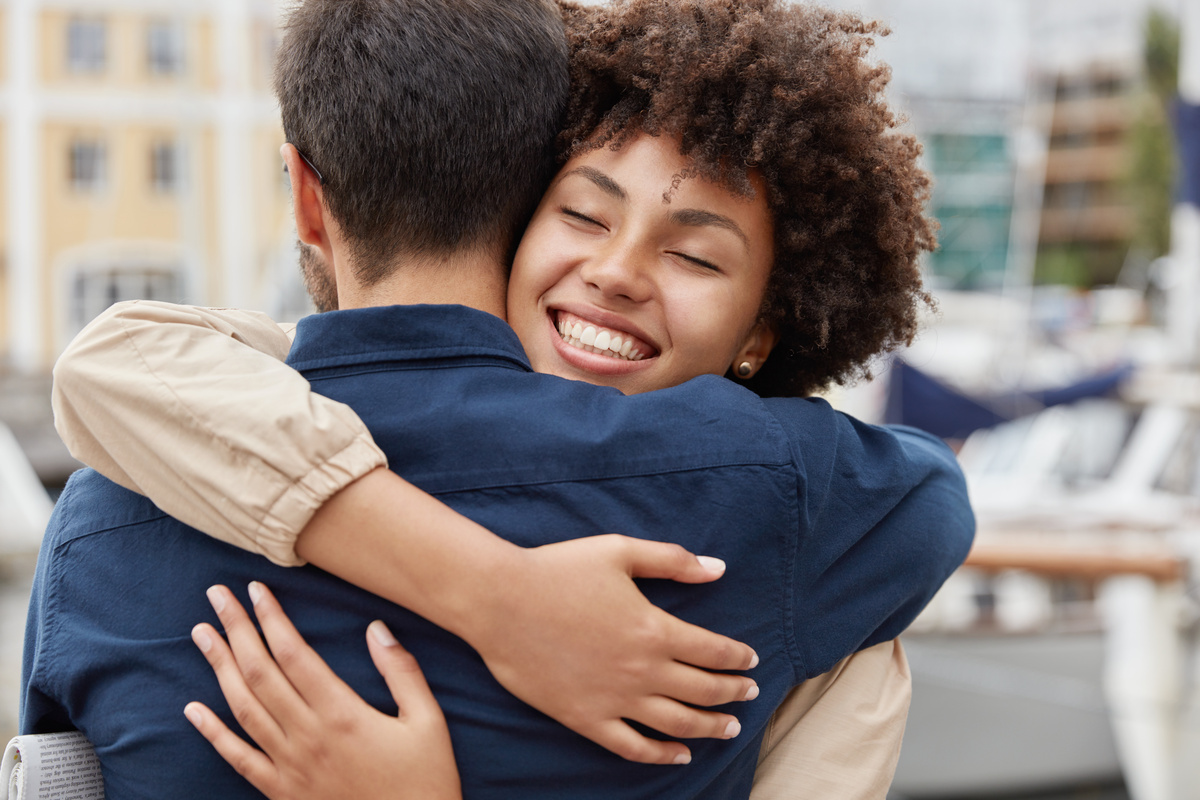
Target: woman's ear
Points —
{"points": [[754, 351]]}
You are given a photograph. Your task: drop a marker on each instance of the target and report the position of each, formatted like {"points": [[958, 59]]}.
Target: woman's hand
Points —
{"points": [[319, 739]]}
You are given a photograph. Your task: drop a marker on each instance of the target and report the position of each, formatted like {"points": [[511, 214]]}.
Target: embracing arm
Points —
{"points": [[162, 399], [837, 736], [170, 401]]}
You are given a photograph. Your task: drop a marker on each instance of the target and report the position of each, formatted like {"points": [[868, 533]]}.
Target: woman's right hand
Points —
{"points": [[319, 739]]}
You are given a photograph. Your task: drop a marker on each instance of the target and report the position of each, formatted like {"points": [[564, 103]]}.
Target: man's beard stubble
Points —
{"points": [[318, 280]]}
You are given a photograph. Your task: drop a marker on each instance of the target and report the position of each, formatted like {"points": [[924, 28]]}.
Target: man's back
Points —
{"points": [[789, 495]]}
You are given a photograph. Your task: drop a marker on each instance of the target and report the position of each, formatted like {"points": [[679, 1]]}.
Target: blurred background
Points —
{"points": [[140, 160]]}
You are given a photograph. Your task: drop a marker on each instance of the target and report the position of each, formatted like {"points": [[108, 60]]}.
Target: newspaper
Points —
{"points": [[51, 766]]}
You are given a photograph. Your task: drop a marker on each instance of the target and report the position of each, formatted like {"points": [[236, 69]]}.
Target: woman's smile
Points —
{"points": [[595, 338]]}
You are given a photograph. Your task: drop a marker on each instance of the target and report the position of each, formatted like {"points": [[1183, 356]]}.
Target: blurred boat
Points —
{"points": [[1060, 654], [24, 504], [1006, 713]]}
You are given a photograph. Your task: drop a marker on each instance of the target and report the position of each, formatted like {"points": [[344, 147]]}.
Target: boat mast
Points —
{"points": [[1183, 303]]}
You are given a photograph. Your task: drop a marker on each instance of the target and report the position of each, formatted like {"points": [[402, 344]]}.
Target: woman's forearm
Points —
{"points": [[195, 408]]}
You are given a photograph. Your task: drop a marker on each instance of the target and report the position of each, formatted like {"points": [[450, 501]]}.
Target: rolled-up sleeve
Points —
{"points": [[194, 408]]}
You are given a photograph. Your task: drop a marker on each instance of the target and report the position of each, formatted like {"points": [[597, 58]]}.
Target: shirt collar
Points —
{"points": [[390, 333]]}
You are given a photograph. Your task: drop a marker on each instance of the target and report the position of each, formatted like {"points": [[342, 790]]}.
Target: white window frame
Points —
{"points": [[93, 290]]}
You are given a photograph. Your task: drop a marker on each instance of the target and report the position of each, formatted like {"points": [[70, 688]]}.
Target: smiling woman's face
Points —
{"points": [[613, 286]]}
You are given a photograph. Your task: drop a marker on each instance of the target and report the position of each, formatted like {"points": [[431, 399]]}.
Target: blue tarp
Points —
{"points": [[920, 400]]}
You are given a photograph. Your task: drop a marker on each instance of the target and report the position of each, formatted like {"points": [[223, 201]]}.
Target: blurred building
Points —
{"points": [[968, 150], [1023, 108], [1087, 218], [140, 160], [958, 76]]}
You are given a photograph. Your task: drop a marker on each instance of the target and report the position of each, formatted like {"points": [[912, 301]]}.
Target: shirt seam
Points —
{"points": [[791, 554], [458, 352], [636, 473], [51, 625]]}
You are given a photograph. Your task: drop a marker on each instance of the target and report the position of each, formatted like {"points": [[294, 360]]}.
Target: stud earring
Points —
{"points": [[744, 369]]}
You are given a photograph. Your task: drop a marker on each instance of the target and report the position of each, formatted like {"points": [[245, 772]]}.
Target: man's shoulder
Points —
{"points": [[705, 422], [91, 503], [813, 427]]}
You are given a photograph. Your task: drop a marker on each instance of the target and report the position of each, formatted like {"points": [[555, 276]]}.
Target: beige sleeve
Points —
{"points": [[837, 736], [194, 408]]}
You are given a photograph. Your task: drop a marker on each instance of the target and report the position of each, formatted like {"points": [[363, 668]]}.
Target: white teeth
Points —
{"points": [[600, 342]]}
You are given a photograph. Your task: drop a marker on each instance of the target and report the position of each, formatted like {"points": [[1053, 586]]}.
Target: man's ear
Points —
{"points": [[308, 201], [754, 351]]}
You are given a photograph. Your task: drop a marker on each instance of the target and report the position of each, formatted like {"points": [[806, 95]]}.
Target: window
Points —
{"points": [[164, 47], [165, 167], [86, 45], [94, 290], [88, 166]]}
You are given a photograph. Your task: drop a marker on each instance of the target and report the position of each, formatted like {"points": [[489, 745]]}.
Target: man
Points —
{"points": [[103, 536]]}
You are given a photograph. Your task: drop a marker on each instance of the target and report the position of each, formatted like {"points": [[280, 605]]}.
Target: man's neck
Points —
{"points": [[476, 280]]}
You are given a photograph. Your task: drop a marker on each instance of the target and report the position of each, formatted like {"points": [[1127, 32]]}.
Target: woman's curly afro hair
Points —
{"points": [[785, 90]]}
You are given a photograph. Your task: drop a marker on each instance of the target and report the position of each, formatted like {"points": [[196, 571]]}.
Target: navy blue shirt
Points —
{"points": [[836, 534]]}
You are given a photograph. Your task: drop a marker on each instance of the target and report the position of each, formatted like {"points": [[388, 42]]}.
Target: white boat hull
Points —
{"points": [[1005, 713]]}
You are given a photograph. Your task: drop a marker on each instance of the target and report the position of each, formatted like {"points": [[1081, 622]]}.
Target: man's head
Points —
{"points": [[431, 122]]}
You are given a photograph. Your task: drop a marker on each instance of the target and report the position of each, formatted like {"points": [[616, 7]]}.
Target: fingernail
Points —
{"points": [[193, 714], [752, 692], [380, 633], [217, 598], [711, 564], [255, 589], [202, 639], [733, 729], [753, 661], [683, 758]]}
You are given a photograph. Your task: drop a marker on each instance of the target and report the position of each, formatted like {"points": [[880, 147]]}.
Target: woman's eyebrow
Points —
{"points": [[605, 183], [694, 218]]}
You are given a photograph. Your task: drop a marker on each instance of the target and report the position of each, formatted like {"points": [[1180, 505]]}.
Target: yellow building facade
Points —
{"points": [[140, 145]]}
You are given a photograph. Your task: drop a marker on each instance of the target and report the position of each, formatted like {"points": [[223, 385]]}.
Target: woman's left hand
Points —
{"points": [[319, 739]]}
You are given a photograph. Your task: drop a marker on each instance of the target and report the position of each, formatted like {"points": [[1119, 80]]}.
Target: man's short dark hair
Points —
{"points": [[432, 122]]}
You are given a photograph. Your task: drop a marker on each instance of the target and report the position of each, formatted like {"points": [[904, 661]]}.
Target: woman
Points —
{"points": [[769, 121]]}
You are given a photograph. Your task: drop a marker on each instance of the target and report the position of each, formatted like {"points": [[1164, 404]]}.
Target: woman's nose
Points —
{"points": [[620, 272]]}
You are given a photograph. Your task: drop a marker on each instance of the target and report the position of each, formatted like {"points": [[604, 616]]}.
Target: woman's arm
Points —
{"points": [[170, 400], [164, 400], [837, 736]]}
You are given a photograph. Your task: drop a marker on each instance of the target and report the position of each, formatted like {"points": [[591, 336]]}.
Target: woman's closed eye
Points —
{"points": [[581, 217], [700, 262]]}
